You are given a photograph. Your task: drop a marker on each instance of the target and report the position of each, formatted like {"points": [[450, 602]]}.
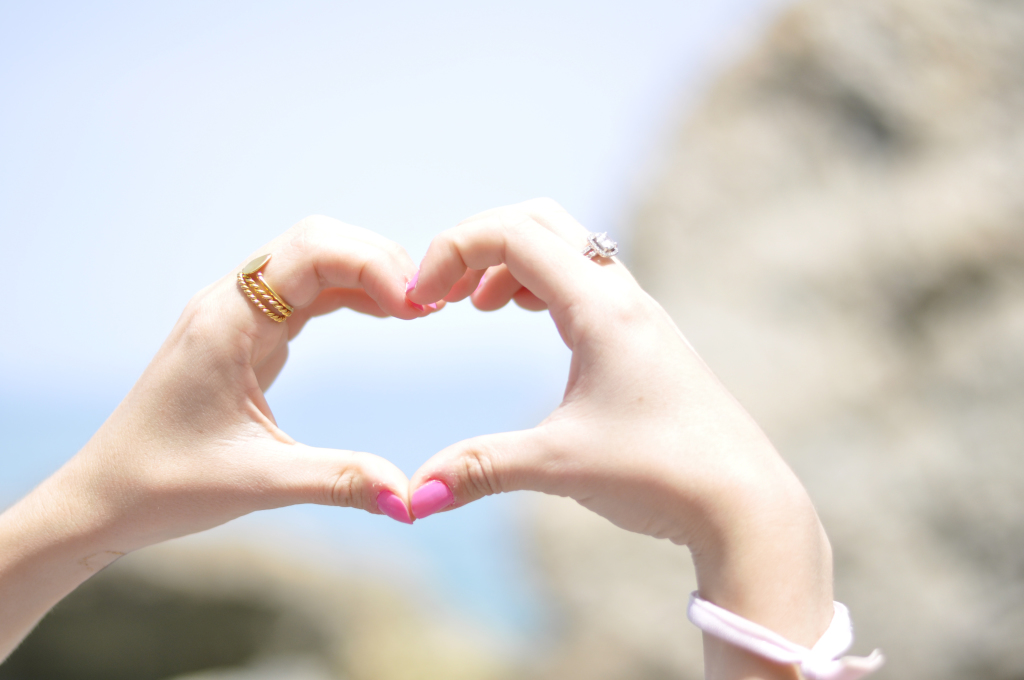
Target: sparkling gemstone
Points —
{"points": [[604, 246]]}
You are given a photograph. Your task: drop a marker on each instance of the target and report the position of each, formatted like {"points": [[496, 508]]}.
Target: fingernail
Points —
{"points": [[392, 506], [412, 284], [433, 305], [430, 498], [480, 285]]}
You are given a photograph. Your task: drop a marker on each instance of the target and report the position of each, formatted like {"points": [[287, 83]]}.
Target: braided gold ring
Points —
{"points": [[256, 288]]}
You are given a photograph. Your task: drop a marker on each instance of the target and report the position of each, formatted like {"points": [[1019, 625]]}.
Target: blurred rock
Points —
{"points": [[619, 599], [196, 611], [276, 668], [839, 230]]}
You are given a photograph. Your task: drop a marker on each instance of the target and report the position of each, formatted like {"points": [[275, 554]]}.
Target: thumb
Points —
{"points": [[349, 479], [482, 466]]}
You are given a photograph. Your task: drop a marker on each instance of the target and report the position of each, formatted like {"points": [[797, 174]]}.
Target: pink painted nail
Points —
{"points": [[412, 283], [433, 305], [481, 284], [430, 498], [392, 506], [409, 287]]}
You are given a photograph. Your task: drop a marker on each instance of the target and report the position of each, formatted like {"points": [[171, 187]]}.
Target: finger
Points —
{"points": [[333, 299], [295, 473], [466, 286], [529, 301], [320, 253], [542, 261], [482, 466], [551, 215], [316, 254], [497, 290]]}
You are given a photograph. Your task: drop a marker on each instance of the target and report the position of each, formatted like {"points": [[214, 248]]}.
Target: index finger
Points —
{"points": [[320, 253], [316, 254], [542, 261]]}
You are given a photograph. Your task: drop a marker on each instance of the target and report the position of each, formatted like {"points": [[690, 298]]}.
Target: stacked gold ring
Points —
{"points": [[256, 288]]}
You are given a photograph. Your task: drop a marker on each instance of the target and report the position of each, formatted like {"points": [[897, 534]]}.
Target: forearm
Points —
{"points": [[771, 563], [50, 542]]}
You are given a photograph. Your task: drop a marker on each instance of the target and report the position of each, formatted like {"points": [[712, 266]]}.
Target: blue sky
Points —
{"points": [[146, 148]]}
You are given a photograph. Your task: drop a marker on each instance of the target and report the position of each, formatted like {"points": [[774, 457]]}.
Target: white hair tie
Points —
{"points": [[820, 662]]}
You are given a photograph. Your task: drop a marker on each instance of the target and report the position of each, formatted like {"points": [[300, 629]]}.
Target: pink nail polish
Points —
{"points": [[431, 497], [416, 306], [481, 284], [392, 506], [433, 305], [412, 283]]}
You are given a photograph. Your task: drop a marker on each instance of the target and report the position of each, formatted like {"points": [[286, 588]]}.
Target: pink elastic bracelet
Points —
{"points": [[820, 662]]}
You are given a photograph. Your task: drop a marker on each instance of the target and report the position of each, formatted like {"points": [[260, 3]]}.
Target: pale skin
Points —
{"points": [[646, 435]]}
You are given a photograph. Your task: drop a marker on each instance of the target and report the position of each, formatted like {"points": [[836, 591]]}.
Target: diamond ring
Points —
{"points": [[600, 244]]}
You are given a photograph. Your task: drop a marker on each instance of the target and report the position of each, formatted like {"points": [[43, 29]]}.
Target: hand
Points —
{"points": [[194, 444], [645, 435]]}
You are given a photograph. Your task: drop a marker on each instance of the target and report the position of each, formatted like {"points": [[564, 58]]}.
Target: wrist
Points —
{"points": [[48, 547], [59, 522], [765, 555]]}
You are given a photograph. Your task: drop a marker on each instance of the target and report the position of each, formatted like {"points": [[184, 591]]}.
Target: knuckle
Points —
{"points": [[377, 260], [522, 233], [396, 252], [480, 472], [199, 320], [392, 251], [444, 239], [449, 242], [395, 255], [625, 309], [344, 486], [308, 233], [517, 225]]}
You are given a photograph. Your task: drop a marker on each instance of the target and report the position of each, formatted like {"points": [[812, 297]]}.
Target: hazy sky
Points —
{"points": [[146, 148]]}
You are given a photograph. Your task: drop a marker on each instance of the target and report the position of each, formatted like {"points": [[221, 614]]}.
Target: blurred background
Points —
{"points": [[825, 194]]}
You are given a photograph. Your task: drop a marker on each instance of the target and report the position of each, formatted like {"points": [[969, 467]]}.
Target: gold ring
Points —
{"points": [[256, 288]]}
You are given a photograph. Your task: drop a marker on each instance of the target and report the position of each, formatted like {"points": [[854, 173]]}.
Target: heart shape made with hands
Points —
{"points": [[534, 254], [645, 435], [432, 496], [612, 444]]}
